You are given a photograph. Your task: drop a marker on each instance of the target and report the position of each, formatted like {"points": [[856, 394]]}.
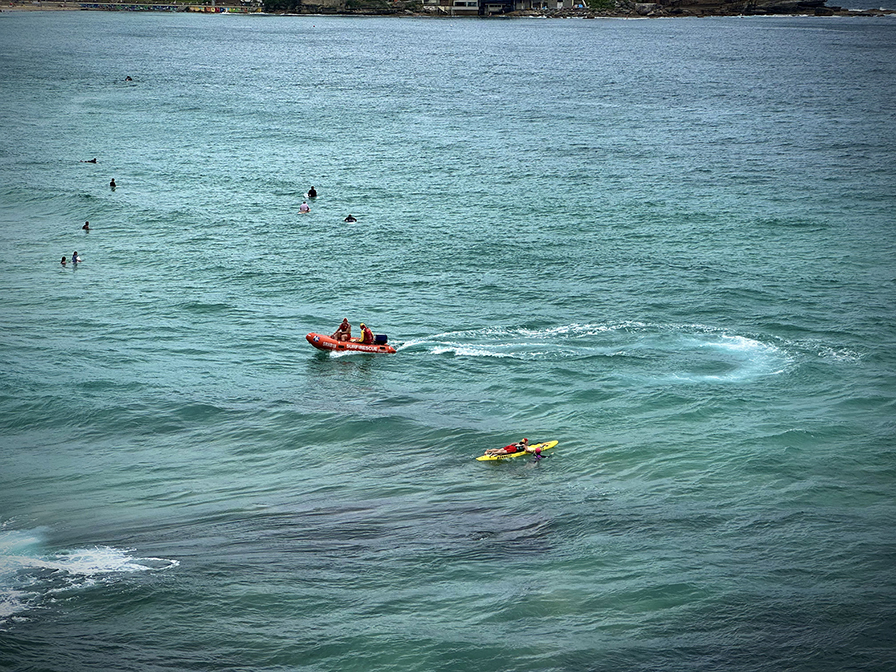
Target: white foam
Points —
{"points": [[346, 353], [14, 542], [682, 352], [839, 354], [27, 573], [469, 351], [102, 560]]}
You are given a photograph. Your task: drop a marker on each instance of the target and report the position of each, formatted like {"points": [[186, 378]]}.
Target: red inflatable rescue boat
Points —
{"points": [[322, 342]]}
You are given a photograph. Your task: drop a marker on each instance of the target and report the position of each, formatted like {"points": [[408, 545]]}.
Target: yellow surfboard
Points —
{"points": [[547, 445]]}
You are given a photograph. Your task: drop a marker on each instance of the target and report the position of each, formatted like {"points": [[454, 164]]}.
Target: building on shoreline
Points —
{"points": [[471, 8], [209, 6]]}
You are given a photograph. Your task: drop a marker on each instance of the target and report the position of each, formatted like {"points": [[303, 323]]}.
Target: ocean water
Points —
{"points": [[670, 245]]}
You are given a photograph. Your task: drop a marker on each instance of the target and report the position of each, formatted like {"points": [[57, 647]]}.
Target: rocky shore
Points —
{"points": [[670, 8], [630, 8], [622, 8]]}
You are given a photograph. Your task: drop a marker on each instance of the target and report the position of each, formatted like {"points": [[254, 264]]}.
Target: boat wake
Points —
{"points": [[687, 352]]}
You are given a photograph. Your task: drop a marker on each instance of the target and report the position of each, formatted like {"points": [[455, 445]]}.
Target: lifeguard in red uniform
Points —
{"points": [[512, 448], [343, 331], [366, 335]]}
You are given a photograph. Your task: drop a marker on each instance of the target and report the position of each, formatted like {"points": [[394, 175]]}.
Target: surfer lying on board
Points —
{"points": [[366, 335], [512, 448], [343, 331]]}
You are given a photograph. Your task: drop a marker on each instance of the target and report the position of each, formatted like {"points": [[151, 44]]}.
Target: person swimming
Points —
{"points": [[86, 227], [63, 261], [350, 218]]}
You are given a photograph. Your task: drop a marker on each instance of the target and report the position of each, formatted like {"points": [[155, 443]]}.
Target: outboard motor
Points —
{"points": [[380, 339]]}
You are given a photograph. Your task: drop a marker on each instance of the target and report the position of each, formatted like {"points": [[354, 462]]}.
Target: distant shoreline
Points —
{"points": [[634, 10]]}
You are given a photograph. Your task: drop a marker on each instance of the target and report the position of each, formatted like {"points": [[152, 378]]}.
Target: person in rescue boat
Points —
{"points": [[366, 335], [343, 331]]}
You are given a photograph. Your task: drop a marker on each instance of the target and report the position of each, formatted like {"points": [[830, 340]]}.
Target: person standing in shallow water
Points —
{"points": [[304, 207], [312, 192], [63, 261], [86, 227], [112, 184]]}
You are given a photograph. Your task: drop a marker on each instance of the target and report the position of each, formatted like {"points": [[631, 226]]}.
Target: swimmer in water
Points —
{"points": [[304, 207], [63, 261], [112, 183], [86, 227], [349, 219]]}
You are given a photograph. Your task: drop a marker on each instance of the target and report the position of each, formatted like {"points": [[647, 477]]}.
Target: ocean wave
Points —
{"points": [[28, 575], [839, 354]]}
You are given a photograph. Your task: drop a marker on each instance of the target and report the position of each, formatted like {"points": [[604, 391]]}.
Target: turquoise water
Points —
{"points": [[667, 244]]}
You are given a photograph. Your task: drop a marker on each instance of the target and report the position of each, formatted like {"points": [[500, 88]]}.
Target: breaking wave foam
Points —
{"points": [[27, 574]]}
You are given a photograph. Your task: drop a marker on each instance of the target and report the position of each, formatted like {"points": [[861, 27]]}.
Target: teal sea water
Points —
{"points": [[670, 245]]}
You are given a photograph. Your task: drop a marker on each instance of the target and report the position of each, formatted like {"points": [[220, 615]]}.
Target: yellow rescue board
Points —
{"points": [[547, 445]]}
